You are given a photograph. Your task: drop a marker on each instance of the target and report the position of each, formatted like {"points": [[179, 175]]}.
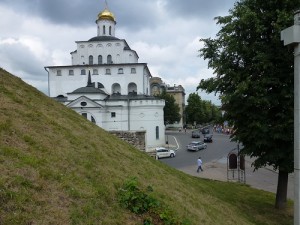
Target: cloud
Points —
{"points": [[164, 33], [198, 8]]}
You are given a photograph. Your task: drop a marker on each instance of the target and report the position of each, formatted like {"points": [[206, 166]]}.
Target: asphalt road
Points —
{"points": [[219, 148], [214, 159]]}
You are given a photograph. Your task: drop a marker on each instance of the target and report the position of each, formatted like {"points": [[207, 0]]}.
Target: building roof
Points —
{"points": [[87, 66], [104, 38], [106, 14], [88, 90]]}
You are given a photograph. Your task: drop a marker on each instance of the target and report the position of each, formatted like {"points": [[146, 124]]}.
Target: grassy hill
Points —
{"points": [[58, 168]]}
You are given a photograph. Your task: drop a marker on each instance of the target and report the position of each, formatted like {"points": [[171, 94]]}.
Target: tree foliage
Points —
{"points": [[200, 111], [171, 109], [254, 75]]}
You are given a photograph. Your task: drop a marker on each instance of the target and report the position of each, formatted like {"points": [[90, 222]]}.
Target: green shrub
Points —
{"points": [[141, 201]]}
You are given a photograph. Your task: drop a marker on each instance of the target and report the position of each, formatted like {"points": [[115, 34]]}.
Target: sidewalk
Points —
{"points": [[263, 178]]}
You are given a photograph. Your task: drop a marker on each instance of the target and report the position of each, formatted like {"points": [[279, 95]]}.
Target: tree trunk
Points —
{"points": [[281, 194]]}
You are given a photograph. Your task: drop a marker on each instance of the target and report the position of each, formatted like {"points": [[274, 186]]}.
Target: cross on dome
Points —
{"points": [[106, 14]]}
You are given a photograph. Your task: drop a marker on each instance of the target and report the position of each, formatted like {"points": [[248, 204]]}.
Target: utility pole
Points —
{"points": [[291, 36]]}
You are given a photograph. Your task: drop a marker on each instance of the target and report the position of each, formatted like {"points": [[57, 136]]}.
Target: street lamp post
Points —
{"points": [[291, 36]]}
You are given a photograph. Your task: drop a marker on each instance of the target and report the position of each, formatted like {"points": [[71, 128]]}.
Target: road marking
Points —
{"points": [[176, 143]]}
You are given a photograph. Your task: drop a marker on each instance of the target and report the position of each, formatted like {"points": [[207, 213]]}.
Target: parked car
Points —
{"points": [[196, 146], [208, 138], [164, 152], [195, 134]]}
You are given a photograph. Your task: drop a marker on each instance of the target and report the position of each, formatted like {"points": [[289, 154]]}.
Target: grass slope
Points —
{"points": [[58, 168]]}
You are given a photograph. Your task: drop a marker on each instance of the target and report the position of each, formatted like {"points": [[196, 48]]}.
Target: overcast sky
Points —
{"points": [[164, 33]]}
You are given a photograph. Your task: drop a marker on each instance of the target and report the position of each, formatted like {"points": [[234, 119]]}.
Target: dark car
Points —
{"points": [[208, 138], [205, 131], [195, 134]]}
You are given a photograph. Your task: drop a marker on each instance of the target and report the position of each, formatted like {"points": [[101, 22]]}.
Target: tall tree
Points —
{"points": [[200, 111], [171, 109], [194, 110], [254, 76]]}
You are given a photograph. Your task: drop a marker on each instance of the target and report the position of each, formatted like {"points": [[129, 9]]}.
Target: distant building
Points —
{"points": [[178, 92], [106, 84]]}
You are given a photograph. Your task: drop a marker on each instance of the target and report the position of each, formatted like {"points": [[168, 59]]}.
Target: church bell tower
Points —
{"points": [[106, 23]]}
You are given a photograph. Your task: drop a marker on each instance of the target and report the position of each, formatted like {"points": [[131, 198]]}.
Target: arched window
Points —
{"points": [[103, 29], [155, 90], [120, 71], [89, 117], [82, 72], [91, 60], [109, 61], [99, 59], [116, 88], [109, 30], [93, 120], [100, 85], [157, 132], [95, 72], [133, 70], [132, 88]]}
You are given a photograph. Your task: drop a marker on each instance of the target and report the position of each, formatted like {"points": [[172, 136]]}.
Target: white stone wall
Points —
{"points": [[147, 115], [144, 115], [65, 83], [115, 48]]}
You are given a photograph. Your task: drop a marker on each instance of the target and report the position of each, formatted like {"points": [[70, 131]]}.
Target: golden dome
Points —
{"points": [[106, 14]]}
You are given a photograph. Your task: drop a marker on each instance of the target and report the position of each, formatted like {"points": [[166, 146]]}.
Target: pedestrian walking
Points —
{"points": [[199, 163]]}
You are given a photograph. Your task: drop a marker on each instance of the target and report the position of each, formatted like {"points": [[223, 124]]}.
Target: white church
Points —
{"points": [[106, 84]]}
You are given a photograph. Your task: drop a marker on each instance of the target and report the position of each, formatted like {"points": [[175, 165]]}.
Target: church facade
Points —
{"points": [[106, 84]]}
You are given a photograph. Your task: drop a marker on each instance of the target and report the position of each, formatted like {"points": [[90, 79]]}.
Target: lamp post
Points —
{"points": [[291, 36]]}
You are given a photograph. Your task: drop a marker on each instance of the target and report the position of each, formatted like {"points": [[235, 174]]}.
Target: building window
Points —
{"points": [[133, 70], [112, 114], [100, 85], [71, 72], [109, 61], [120, 71], [103, 29], [99, 59], [93, 120], [107, 71], [83, 103], [82, 72], [132, 88], [157, 132], [109, 30], [116, 88], [91, 60], [58, 72], [95, 72], [84, 115]]}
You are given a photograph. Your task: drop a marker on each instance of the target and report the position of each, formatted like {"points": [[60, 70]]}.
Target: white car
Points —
{"points": [[196, 146], [164, 152]]}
